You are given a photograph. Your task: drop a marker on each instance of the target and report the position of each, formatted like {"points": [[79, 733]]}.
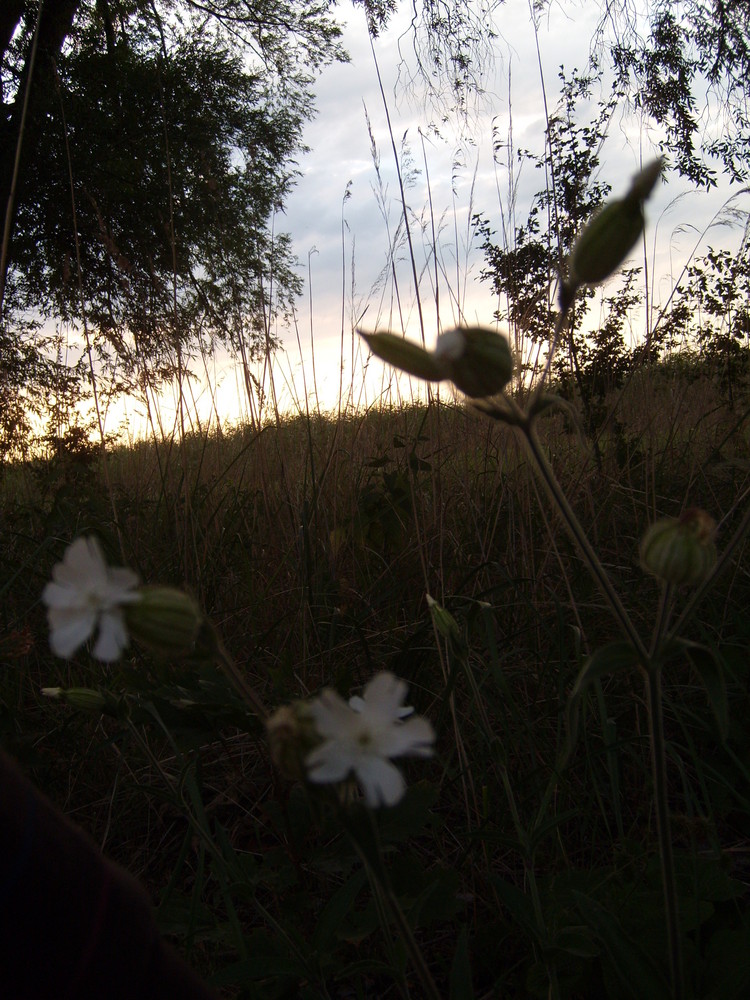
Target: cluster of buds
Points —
{"points": [[478, 361], [680, 550]]}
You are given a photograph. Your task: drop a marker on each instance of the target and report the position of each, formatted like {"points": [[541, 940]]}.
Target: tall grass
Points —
{"points": [[321, 579], [311, 541]]}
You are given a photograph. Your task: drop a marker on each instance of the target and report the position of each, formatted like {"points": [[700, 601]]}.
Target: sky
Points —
{"points": [[344, 211]]}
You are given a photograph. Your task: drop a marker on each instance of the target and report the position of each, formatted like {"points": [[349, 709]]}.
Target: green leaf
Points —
{"points": [[577, 941], [728, 971], [615, 657], [404, 354], [548, 401], [417, 464], [437, 901], [708, 665], [333, 915], [460, 979], [260, 967], [518, 904], [611, 658], [632, 966]]}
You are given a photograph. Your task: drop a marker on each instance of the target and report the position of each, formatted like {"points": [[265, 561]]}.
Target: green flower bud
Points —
{"points": [[477, 360], [404, 354], [444, 621], [291, 736], [85, 700], [611, 234], [164, 620], [680, 550]]}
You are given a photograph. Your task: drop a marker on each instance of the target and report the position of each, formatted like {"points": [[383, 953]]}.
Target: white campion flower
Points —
{"points": [[87, 595], [362, 736]]}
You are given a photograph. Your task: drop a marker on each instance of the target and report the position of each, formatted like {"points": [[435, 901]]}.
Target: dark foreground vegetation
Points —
{"points": [[311, 546]]}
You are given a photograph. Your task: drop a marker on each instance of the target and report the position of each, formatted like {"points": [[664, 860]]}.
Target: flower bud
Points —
{"points": [[444, 621], [291, 737], [477, 360], [404, 354], [611, 234], [85, 700], [680, 550], [164, 620]]}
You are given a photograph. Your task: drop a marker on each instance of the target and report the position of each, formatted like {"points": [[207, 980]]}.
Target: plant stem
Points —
{"points": [[655, 707], [663, 828], [536, 902], [722, 564], [245, 690], [560, 501], [380, 882], [428, 983], [662, 617], [566, 301]]}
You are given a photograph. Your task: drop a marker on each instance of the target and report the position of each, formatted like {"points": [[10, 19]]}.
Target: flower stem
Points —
{"points": [[560, 501], [652, 673], [369, 852], [415, 954], [721, 565], [245, 690], [663, 828], [536, 902]]}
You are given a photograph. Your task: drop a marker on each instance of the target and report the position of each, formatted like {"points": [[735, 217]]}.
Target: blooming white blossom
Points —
{"points": [[86, 594], [361, 737]]}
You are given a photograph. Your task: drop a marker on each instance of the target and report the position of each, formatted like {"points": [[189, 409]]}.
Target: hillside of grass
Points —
{"points": [[523, 866]]}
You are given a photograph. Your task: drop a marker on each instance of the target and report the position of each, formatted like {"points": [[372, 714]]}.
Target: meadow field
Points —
{"points": [[521, 862], [522, 575]]}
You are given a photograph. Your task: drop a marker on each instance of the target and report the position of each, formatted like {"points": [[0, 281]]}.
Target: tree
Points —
{"points": [[524, 266], [159, 142], [159, 139], [686, 65]]}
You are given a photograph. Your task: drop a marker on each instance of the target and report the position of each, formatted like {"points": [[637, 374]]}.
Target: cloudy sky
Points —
{"points": [[345, 212], [447, 181]]}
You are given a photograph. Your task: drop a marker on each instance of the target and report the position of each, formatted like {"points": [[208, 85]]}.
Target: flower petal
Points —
{"points": [[69, 629], [413, 738], [360, 705], [85, 591], [332, 715], [113, 637], [386, 691], [382, 783], [327, 763], [55, 595], [83, 563], [122, 579]]}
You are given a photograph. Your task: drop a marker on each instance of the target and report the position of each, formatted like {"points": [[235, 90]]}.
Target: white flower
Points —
{"points": [[363, 735], [86, 594]]}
